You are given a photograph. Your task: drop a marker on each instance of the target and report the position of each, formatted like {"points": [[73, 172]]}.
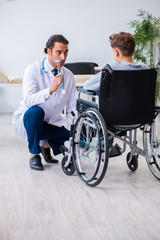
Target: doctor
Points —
{"points": [[48, 88]]}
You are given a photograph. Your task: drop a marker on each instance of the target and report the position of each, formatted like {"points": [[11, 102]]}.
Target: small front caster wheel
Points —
{"points": [[70, 169], [133, 164]]}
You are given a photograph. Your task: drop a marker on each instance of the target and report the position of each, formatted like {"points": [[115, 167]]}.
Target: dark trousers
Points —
{"points": [[37, 129]]}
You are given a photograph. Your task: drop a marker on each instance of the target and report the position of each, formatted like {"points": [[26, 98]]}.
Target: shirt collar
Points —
{"points": [[50, 67]]}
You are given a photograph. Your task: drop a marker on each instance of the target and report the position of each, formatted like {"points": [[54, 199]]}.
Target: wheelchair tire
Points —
{"points": [[133, 164], [70, 169], [91, 157], [151, 143]]}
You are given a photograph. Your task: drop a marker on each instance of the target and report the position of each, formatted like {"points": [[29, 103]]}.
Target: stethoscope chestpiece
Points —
{"points": [[63, 91]]}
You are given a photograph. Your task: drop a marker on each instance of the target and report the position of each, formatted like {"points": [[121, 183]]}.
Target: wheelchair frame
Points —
{"points": [[91, 160]]}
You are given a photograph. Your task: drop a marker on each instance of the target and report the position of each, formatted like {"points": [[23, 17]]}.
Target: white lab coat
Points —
{"points": [[36, 92]]}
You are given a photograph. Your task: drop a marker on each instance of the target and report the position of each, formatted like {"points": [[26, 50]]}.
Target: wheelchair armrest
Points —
{"points": [[89, 92]]}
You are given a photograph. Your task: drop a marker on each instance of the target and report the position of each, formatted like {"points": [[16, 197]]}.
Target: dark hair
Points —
{"points": [[124, 41], [55, 38]]}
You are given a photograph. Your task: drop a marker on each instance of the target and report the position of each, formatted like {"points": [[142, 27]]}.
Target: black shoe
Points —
{"points": [[35, 163], [47, 155], [115, 151]]}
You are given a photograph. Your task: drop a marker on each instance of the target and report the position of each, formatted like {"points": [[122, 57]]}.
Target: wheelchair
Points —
{"points": [[125, 103]]}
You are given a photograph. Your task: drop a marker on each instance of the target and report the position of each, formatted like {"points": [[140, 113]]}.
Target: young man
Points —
{"points": [[46, 93], [123, 46]]}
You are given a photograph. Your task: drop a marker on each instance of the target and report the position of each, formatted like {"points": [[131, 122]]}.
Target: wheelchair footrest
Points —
{"points": [[63, 149]]}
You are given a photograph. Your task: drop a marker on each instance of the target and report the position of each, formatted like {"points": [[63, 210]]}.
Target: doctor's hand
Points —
{"points": [[56, 82]]}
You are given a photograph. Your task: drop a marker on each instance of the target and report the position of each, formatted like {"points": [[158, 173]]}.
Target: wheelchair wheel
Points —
{"points": [[133, 164], [90, 147], [151, 142], [70, 169]]}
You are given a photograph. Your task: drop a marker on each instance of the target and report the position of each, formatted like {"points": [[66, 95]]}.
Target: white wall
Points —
{"points": [[26, 25]]}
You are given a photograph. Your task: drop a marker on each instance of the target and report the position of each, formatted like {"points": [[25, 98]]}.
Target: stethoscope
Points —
{"points": [[59, 71]]}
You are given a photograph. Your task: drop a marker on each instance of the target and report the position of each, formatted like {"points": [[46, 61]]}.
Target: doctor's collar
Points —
{"points": [[49, 65], [46, 66]]}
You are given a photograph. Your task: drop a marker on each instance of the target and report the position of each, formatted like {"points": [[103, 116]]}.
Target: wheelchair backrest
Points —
{"points": [[127, 97]]}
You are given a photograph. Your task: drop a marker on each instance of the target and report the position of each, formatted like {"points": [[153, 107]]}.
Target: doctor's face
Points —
{"points": [[58, 52]]}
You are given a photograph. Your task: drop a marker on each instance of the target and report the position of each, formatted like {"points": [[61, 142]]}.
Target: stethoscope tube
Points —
{"points": [[43, 68]]}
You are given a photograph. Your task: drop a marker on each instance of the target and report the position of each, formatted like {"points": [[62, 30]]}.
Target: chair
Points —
{"points": [[95, 64], [125, 103], [81, 67]]}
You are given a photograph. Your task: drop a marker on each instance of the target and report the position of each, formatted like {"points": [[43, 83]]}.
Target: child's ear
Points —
{"points": [[116, 52]]}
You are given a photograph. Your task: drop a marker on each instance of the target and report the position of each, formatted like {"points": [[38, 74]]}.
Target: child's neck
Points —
{"points": [[126, 59]]}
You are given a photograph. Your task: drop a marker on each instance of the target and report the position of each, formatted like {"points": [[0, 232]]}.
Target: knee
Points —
{"points": [[34, 114]]}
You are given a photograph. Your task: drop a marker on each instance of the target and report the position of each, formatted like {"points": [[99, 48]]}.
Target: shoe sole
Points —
{"points": [[37, 169]]}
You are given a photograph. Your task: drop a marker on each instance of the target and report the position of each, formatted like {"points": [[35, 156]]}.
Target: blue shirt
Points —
{"points": [[94, 82]]}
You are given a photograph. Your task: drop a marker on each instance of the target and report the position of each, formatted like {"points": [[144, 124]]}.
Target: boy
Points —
{"points": [[123, 46]]}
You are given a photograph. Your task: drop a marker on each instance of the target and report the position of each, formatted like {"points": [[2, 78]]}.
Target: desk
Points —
{"points": [[15, 79], [81, 79], [10, 93]]}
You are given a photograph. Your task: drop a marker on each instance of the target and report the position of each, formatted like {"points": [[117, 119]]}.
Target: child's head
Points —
{"points": [[124, 42]]}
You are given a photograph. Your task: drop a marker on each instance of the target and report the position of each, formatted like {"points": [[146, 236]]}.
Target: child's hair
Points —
{"points": [[124, 41]]}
